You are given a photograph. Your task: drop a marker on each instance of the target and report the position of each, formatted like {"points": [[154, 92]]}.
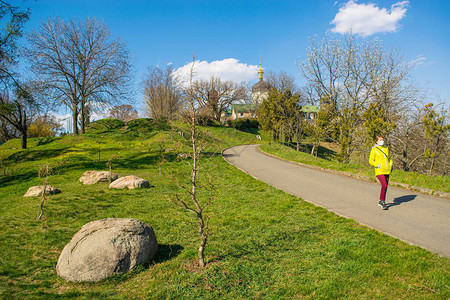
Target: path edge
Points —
{"points": [[348, 174]]}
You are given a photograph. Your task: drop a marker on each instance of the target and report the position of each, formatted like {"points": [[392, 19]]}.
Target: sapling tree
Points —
{"points": [[44, 171], [162, 155], [109, 165], [192, 203]]}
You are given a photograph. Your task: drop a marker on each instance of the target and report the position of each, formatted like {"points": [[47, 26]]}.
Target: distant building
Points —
{"points": [[309, 111], [69, 124], [260, 92], [243, 111]]}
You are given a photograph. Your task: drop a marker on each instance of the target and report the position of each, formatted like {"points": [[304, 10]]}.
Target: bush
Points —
{"points": [[244, 124], [105, 125]]}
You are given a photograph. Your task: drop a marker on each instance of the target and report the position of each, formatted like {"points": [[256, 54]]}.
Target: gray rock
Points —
{"points": [[36, 191], [92, 177], [106, 247], [131, 182]]}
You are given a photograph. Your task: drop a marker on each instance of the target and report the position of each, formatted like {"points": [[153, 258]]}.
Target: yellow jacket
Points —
{"points": [[381, 160]]}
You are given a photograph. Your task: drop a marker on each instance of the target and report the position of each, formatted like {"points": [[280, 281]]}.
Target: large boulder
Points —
{"points": [[106, 247], [91, 177], [36, 191], [131, 182]]}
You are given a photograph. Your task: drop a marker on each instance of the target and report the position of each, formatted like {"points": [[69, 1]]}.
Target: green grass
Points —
{"points": [[265, 243], [437, 182]]}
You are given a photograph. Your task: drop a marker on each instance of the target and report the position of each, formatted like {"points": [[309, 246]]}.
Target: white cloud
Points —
{"points": [[368, 19], [226, 69]]}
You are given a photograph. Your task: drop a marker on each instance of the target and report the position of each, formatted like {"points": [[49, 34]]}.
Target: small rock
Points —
{"points": [[36, 191], [131, 182], [92, 177], [107, 247]]}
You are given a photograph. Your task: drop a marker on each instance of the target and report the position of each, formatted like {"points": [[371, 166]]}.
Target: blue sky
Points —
{"points": [[230, 36]]}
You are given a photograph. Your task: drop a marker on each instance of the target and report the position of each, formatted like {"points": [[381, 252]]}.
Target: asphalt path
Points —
{"points": [[416, 218]]}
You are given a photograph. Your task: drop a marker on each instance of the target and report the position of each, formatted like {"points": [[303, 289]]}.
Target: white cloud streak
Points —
{"points": [[226, 69], [420, 61], [368, 19]]}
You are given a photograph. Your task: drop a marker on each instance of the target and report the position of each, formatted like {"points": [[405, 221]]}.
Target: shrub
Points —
{"points": [[147, 125], [244, 124], [105, 125]]}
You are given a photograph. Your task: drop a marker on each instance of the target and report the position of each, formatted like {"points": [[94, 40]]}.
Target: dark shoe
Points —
{"points": [[383, 205]]}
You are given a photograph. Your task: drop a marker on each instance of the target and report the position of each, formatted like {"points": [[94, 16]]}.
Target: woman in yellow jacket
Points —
{"points": [[381, 160]]}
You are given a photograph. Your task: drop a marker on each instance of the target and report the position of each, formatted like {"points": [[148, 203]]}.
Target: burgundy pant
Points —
{"points": [[384, 180]]}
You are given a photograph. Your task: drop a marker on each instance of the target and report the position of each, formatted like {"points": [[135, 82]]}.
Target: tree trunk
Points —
{"points": [[433, 160], [83, 119], [201, 250], [405, 159], [23, 136], [75, 120], [24, 130]]}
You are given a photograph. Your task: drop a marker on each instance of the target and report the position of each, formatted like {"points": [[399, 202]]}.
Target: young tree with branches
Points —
{"points": [[79, 64], [193, 203]]}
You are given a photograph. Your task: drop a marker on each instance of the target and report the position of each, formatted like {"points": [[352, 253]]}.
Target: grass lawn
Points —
{"points": [[265, 243], [438, 182]]}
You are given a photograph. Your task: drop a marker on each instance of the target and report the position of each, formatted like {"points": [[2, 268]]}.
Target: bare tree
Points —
{"points": [[19, 110], [216, 96], [408, 141], [162, 93], [124, 112], [346, 77], [12, 20], [282, 81], [79, 64]]}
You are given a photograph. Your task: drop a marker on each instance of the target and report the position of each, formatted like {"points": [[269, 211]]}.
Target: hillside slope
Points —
{"points": [[265, 243]]}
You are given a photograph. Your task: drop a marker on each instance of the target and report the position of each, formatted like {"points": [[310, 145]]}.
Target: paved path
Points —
{"points": [[413, 217]]}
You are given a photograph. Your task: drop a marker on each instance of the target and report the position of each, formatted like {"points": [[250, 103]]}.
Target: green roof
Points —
{"points": [[242, 108], [309, 108]]}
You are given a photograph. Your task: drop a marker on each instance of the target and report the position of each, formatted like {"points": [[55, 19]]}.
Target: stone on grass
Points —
{"points": [[105, 248], [92, 177], [131, 182], [36, 191]]}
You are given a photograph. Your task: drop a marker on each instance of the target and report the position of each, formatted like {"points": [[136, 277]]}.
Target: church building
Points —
{"points": [[260, 92]]}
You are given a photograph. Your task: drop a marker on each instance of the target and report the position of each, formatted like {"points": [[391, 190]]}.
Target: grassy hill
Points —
{"points": [[265, 243]]}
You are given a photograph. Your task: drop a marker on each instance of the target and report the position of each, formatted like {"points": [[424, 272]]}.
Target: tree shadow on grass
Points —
{"points": [[35, 155], [322, 152], [17, 178], [402, 199], [167, 252]]}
